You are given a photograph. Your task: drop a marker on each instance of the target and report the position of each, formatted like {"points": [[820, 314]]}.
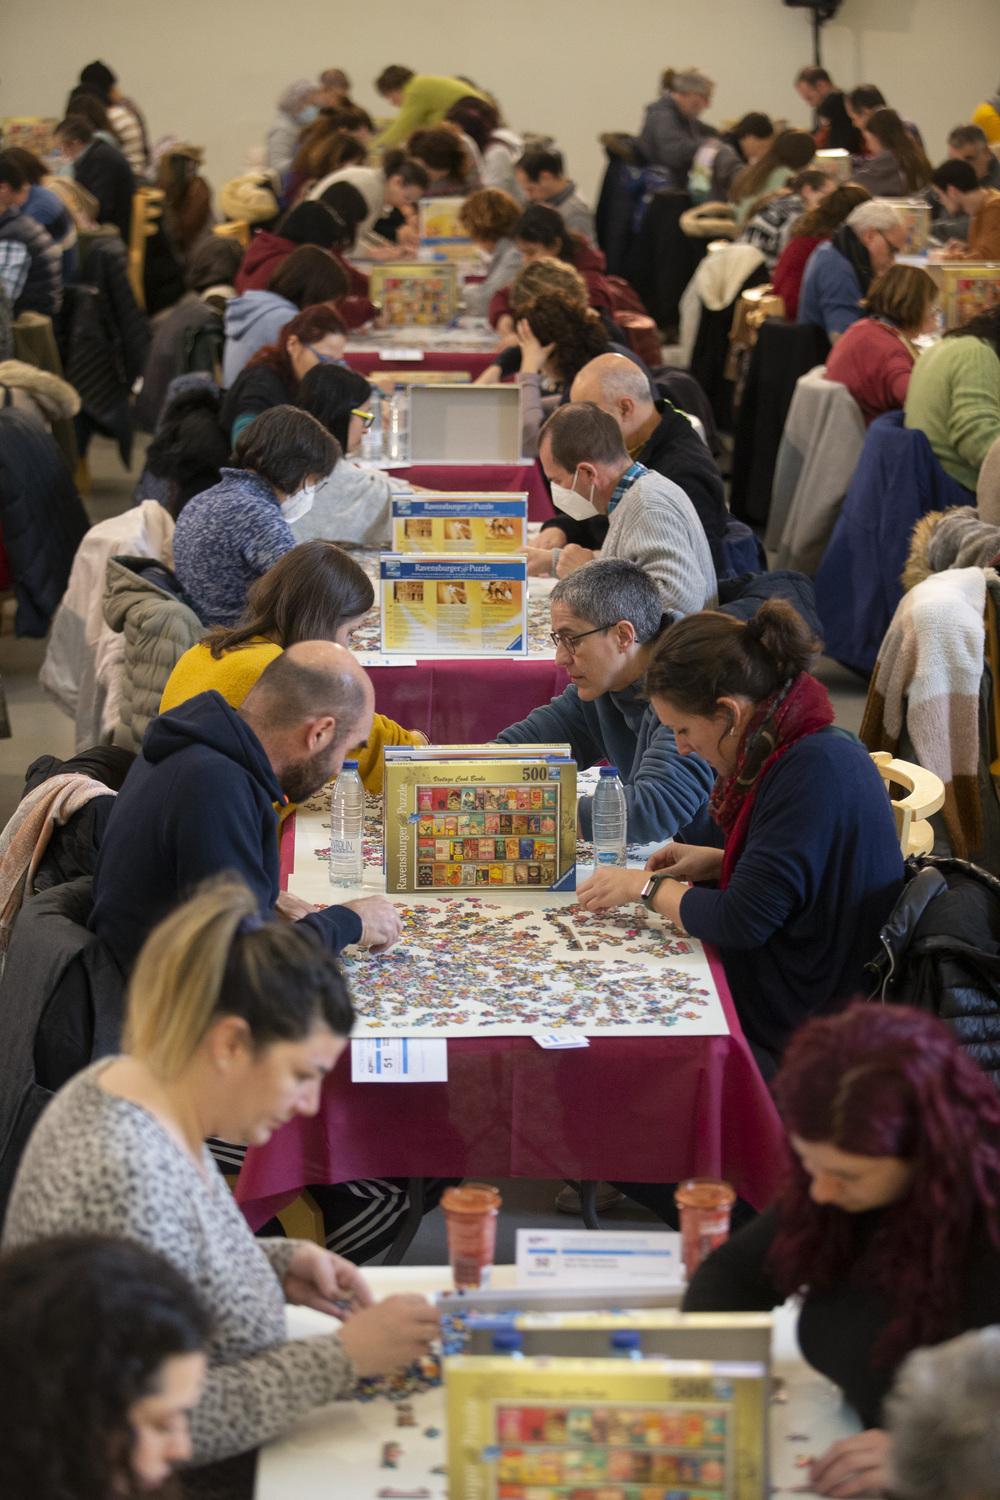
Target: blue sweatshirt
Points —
{"points": [[198, 801], [818, 876], [830, 295], [665, 792], [225, 539]]}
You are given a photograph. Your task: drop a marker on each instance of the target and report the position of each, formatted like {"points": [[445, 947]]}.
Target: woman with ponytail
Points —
{"points": [[886, 1222], [232, 1025], [810, 864]]}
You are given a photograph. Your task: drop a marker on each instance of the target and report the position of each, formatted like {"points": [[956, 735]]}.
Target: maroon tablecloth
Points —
{"points": [[488, 477], [465, 702], [368, 361], [634, 1109]]}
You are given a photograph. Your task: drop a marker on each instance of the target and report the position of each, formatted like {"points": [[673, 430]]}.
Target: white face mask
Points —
{"points": [[299, 504], [572, 504]]}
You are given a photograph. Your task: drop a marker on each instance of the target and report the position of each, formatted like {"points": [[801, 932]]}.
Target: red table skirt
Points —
{"points": [[465, 702], [368, 362], [633, 1109], [489, 477]]}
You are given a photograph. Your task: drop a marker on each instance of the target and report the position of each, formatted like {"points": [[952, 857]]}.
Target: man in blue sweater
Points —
{"points": [[605, 621], [201, 798], [840, 271]]}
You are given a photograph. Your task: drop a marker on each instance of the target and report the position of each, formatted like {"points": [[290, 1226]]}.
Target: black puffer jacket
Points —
{"points": [[940, 951], [72, 848], [42, 518]]}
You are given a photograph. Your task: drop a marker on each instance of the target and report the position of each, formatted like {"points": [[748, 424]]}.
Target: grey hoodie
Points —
{"points": [[158, 628], [251, 321]]}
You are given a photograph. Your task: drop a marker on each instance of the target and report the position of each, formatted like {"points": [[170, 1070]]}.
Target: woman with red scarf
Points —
{"points": [[810, 867], [886, 1223]]}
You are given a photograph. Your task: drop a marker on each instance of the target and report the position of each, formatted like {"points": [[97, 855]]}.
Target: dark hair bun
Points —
{"points": [[781, 631]]}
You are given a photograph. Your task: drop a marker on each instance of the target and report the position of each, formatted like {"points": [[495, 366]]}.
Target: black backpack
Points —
{"points": [[940, 952]]}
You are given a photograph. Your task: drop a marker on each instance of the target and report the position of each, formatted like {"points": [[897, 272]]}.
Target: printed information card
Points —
{"points": [[476, 523], [454, 606], [384, 1059], [572, 1257]]}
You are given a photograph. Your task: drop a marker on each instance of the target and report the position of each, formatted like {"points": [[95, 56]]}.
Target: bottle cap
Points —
{"points": [[626, 1338], [506, 1340], [605, 770], [350, 765]]}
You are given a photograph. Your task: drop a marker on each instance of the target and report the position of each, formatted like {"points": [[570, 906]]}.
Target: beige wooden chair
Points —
{"points": [[301, 1220], [233, 229], [923, 794], [147, 206]]}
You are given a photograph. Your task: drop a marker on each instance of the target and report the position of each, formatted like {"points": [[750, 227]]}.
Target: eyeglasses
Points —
{"points": [[569, 642], [367, 417], [324, 359]]}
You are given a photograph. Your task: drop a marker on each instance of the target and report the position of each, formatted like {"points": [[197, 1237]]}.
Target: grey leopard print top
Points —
{"points": [[98, 1164]]}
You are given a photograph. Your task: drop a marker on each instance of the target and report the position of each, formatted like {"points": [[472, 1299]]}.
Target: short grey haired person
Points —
{"points": [[692, 82], [602, 593], [944, 1418], [967, 135], [875, 215]]}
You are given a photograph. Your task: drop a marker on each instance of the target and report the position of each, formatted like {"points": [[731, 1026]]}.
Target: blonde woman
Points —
{"points": [[233, 1023]]}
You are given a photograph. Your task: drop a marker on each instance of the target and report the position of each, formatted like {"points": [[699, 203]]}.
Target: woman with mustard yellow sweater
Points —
{"points": [[315, 592]]}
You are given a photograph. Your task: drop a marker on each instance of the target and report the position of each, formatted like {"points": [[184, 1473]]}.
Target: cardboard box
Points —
{"points": [[610, 1429], [447, 605], [504, 823], [474, 523], [916, 214], [465, 424], [442, 235], [968, 289]]}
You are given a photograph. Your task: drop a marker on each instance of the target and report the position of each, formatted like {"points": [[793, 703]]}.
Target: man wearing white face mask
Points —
{"points": [[230, 535], [651, 520]]}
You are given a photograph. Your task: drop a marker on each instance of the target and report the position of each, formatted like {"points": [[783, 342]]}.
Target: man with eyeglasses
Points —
{"points": [[651, 520], [839, 271], [606, 619]]}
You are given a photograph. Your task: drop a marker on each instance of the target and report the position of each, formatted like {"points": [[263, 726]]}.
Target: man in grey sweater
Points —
{"points": [[652, 521], [606, 620], [672, 132]]}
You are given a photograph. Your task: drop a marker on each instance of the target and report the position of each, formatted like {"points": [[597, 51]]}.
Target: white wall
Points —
{"points": [[210, 70]]}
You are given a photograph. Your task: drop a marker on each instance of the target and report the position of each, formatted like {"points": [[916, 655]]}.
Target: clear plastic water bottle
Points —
{"points": [[626, 1343], [371, 442], [509, 1342], [399, 442], [610, 819], [347, 826]]}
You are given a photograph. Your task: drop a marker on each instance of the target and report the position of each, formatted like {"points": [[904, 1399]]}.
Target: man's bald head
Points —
{"points": [[618, 386], [310, 681], [307, 708]]}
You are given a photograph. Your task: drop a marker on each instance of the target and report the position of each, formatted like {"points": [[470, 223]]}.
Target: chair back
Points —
{"points": [[923, 794], [233, 229], [147, 206], [821, 444]]}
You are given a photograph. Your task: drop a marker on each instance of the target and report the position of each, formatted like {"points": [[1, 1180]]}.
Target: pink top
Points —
{"points": [[875, 363]]}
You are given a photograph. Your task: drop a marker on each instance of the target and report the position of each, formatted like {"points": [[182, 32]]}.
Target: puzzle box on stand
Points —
{"points": [[410, 292], [483, 523], [454, 606], [442, 234], [502, 819], [593, 1429]]}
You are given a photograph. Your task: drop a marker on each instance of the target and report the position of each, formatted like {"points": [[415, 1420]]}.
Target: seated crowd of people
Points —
{"points": [[142, 1323]]}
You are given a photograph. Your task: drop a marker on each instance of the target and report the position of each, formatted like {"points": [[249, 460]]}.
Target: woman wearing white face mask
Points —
{"points": [[231, 534], [297, 108]]}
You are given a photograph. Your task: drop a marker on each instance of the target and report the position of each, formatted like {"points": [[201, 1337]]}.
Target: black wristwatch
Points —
{"points": [[650, 889]]}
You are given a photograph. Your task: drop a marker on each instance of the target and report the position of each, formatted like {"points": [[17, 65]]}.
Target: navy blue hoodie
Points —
{"points": [[198, 801]]}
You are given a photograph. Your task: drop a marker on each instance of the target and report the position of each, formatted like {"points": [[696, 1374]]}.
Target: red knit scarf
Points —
{"points": [[799, 708]]}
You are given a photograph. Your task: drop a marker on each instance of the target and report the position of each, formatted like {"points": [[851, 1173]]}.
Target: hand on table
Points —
{"points": [[539, 562], [381, 924], [318, 1278], [533, 353], [690, 862], [289, 908], [573, 557], [390, 1334], [610, 886], [550, 536], [857, 1465]]}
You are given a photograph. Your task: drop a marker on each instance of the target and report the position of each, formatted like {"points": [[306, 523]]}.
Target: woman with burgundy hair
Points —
{"points": [[810, 866], [315, 336], [886, 1223]]}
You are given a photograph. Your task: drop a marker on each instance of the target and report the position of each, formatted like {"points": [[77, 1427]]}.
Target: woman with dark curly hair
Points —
{"points": [[101, 1360], [887, 1221], [555, 339]]}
